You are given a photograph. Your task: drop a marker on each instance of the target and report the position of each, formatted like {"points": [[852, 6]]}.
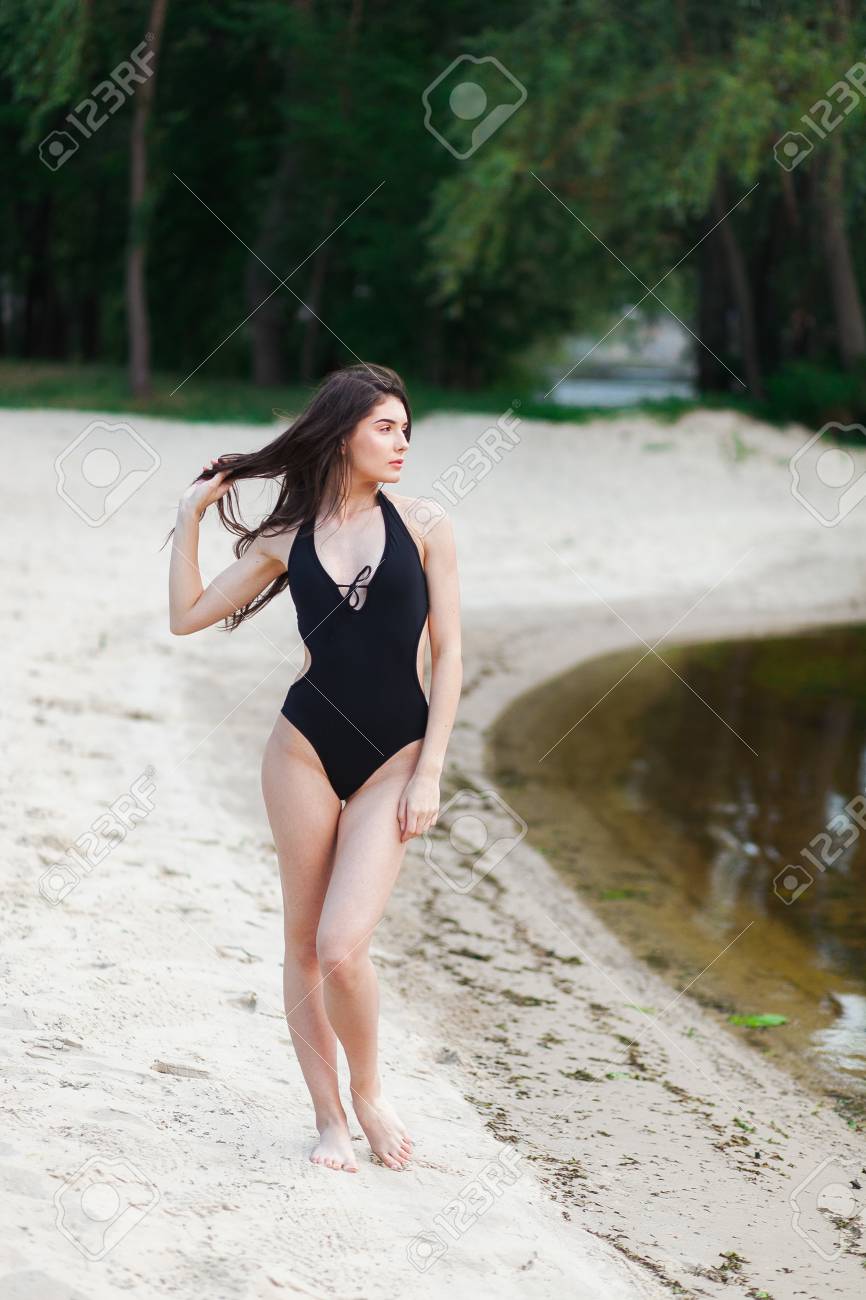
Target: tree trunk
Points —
{"points": [[136, 259], [38, 218], [844, 290], [767, 256], [315, 294], [740, 290], [316, 288], [89, 340], [713, 316], [265, 297]]}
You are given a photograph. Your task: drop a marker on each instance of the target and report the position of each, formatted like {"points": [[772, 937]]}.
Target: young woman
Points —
{"points": [[351, 769]]}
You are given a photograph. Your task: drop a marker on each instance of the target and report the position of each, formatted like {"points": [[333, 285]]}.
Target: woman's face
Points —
{"points": [[378, 445]]}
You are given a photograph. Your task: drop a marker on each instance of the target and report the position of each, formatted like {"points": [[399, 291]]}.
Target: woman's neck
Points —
{"points": [[359, 499]]}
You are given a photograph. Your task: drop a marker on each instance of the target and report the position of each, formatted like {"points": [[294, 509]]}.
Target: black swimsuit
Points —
{"points": [[360, 700]]}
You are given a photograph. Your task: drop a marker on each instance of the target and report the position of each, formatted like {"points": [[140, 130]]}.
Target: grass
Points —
{"points": [[105, 389]]}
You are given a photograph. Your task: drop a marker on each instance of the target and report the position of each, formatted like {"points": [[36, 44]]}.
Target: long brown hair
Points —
{"points": [[307, 458]]}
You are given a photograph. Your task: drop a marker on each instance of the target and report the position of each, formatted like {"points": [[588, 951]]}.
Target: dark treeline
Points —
{"points": [[266, 141]]}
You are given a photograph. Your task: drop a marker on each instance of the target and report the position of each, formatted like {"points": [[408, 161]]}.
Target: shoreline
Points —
{"points": [[643, 867]]}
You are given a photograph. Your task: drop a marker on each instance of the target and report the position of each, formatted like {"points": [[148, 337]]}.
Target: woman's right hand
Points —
{"points": [[204, 492]]}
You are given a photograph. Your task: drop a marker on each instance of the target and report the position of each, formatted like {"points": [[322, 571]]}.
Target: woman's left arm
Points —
{"points": [[419, 803]]}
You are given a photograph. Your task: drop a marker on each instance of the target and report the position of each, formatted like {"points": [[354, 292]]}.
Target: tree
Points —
{"points": [[139, 206], [651, 127]]}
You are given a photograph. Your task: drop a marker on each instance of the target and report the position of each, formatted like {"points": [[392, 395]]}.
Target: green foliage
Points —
{"points": [[44, 49], [288, 142], [759, 1022], [817, 395], [635, 113]]}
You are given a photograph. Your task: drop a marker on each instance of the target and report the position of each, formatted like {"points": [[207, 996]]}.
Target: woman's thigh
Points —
{"points": [[303, 812], [367, 856]]}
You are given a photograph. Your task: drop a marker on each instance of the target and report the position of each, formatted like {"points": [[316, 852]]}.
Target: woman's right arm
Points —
{"points": [[192, 606]]}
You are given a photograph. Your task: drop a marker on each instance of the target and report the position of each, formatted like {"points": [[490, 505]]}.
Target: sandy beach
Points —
{"points": [[156, 1124]]}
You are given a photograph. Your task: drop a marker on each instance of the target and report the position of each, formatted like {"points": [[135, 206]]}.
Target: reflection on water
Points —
{"points": [[718, 817], [844, 1040]]}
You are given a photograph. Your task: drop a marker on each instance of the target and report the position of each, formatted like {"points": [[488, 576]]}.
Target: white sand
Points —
{"points": [[169, 949]]}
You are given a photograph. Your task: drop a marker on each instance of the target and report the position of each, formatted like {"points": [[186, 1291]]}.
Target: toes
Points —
{"points": [[330, 1162]]}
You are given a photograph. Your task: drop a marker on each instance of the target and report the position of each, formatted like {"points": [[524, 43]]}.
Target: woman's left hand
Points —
{"points": [[419, 806]]}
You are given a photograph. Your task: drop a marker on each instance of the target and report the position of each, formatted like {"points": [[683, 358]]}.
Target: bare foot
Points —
{"points": [[334, 1147], [384, 1129]]}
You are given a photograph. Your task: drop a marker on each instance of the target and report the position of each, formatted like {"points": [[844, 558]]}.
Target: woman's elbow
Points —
{"points": [[447, 653]]}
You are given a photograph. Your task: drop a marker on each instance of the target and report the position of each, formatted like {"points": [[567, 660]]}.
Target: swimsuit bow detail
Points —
{"points": [[352, 593]]}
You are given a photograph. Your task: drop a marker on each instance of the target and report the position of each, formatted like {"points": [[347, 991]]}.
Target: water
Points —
{"points": [[626, 388], [717, 822]]}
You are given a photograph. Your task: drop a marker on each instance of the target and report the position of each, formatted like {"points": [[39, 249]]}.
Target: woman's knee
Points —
{"points": [[341, 953], [301, 943]]}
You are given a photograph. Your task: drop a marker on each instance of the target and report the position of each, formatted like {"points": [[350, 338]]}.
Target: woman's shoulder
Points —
{"points": [[420, 515], [276, 545], [422, 511]]}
